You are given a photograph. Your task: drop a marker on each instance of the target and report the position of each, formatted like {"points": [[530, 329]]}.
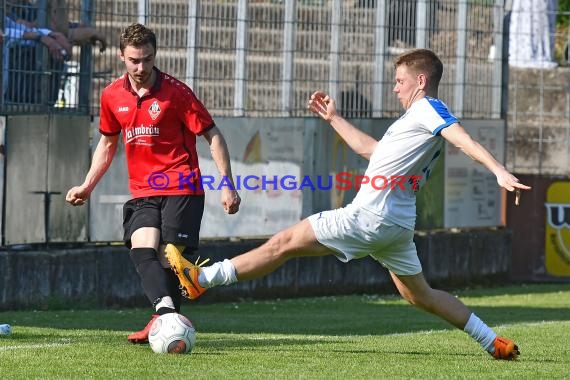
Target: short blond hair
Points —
{"points": [[422, 61]]}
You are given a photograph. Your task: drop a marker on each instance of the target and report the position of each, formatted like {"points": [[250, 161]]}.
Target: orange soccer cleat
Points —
{"points": [[186, 271], [141, 337], [505, 349]]}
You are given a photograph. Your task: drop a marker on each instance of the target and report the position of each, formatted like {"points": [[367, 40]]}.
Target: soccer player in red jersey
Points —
{"points": [[159, 117]]}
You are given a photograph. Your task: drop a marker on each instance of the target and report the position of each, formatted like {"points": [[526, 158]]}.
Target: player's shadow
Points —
{"points": [[342, 315], [370, 319]]}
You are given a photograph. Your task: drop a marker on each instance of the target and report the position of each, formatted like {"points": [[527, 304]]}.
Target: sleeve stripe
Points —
{"points": [[437, 131], [442, 111]]}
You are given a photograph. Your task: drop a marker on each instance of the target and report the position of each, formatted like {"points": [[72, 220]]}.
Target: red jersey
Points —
{"points": [[159, 132]]}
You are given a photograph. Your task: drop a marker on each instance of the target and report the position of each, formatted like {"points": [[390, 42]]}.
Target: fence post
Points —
{"points": [[421, 23], [288, 46], [240, 68], [142, 11], [41, 65], [2, 79], [379, 58], [460, 61], [497, 57], [334, 75], [85, 60], [191, 42]]}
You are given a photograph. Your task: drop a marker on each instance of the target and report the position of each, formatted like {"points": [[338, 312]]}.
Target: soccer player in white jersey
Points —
{"points": [[380, 220]]}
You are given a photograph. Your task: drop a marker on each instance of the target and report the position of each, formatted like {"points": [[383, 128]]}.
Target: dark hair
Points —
{"points": [[137, 35], [422, 61]]}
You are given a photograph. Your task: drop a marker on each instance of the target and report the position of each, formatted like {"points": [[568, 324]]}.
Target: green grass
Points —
{"points": [[352, 337]]}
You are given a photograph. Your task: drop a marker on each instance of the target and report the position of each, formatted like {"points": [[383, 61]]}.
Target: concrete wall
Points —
{"points": [[103, 276], [45, 156]]}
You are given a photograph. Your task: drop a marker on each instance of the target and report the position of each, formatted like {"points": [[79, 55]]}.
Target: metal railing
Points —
{"points": [[263, 58]]}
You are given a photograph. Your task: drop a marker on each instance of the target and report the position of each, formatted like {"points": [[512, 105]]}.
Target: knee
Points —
{"points": [[419, 299], [409, 296]]}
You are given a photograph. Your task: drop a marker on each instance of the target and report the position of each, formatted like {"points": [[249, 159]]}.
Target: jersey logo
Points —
{"points": [[142, 130], [123, 109], [154, 110]]}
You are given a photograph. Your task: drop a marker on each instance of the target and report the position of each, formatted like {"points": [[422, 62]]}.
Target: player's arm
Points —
{"points": [[102, 158], [459, 137], [219, 150], [360, 142]]}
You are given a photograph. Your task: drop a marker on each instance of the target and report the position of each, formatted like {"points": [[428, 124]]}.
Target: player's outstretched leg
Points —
{"points": [[416, 290], [187, 272]]}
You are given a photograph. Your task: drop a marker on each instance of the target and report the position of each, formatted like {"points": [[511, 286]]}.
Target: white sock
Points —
{"points": [[482, 333], [165, 302], [220, 273]]}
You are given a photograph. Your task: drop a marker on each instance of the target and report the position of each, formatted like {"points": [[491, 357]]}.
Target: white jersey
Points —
{"points": [[402, 161]]}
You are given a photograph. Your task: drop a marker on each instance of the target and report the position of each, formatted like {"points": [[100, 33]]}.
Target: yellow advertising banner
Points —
{"points": [[557, 240]]}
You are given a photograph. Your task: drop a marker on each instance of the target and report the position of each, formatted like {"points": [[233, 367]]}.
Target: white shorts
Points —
{"points": [[353, 233]]}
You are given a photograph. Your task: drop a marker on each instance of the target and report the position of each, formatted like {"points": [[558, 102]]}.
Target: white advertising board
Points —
{"points": [[472, 195]]}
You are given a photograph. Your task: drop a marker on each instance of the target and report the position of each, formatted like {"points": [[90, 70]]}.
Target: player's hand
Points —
{"points": [[323, 105], [511, 183], [230, 200], [77, 196], [53, 47]]}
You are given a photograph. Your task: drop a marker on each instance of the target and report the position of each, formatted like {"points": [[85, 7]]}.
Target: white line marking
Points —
{"points": [[32, 346]]}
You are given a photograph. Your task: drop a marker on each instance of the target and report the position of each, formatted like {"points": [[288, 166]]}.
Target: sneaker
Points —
{"points": [[141, 337], [186, 271], [505, 349]]}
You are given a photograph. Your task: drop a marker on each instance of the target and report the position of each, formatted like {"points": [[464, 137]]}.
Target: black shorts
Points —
{"points": [[178, 218]]}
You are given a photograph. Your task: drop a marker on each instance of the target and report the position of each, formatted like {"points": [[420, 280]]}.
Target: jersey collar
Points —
{"points": [[155, 87]]}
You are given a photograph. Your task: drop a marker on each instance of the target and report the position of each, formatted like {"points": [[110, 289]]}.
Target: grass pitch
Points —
{"points": [[353, 337]]}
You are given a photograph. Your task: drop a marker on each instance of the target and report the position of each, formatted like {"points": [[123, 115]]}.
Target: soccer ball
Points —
{"points": [[172, 333]]}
